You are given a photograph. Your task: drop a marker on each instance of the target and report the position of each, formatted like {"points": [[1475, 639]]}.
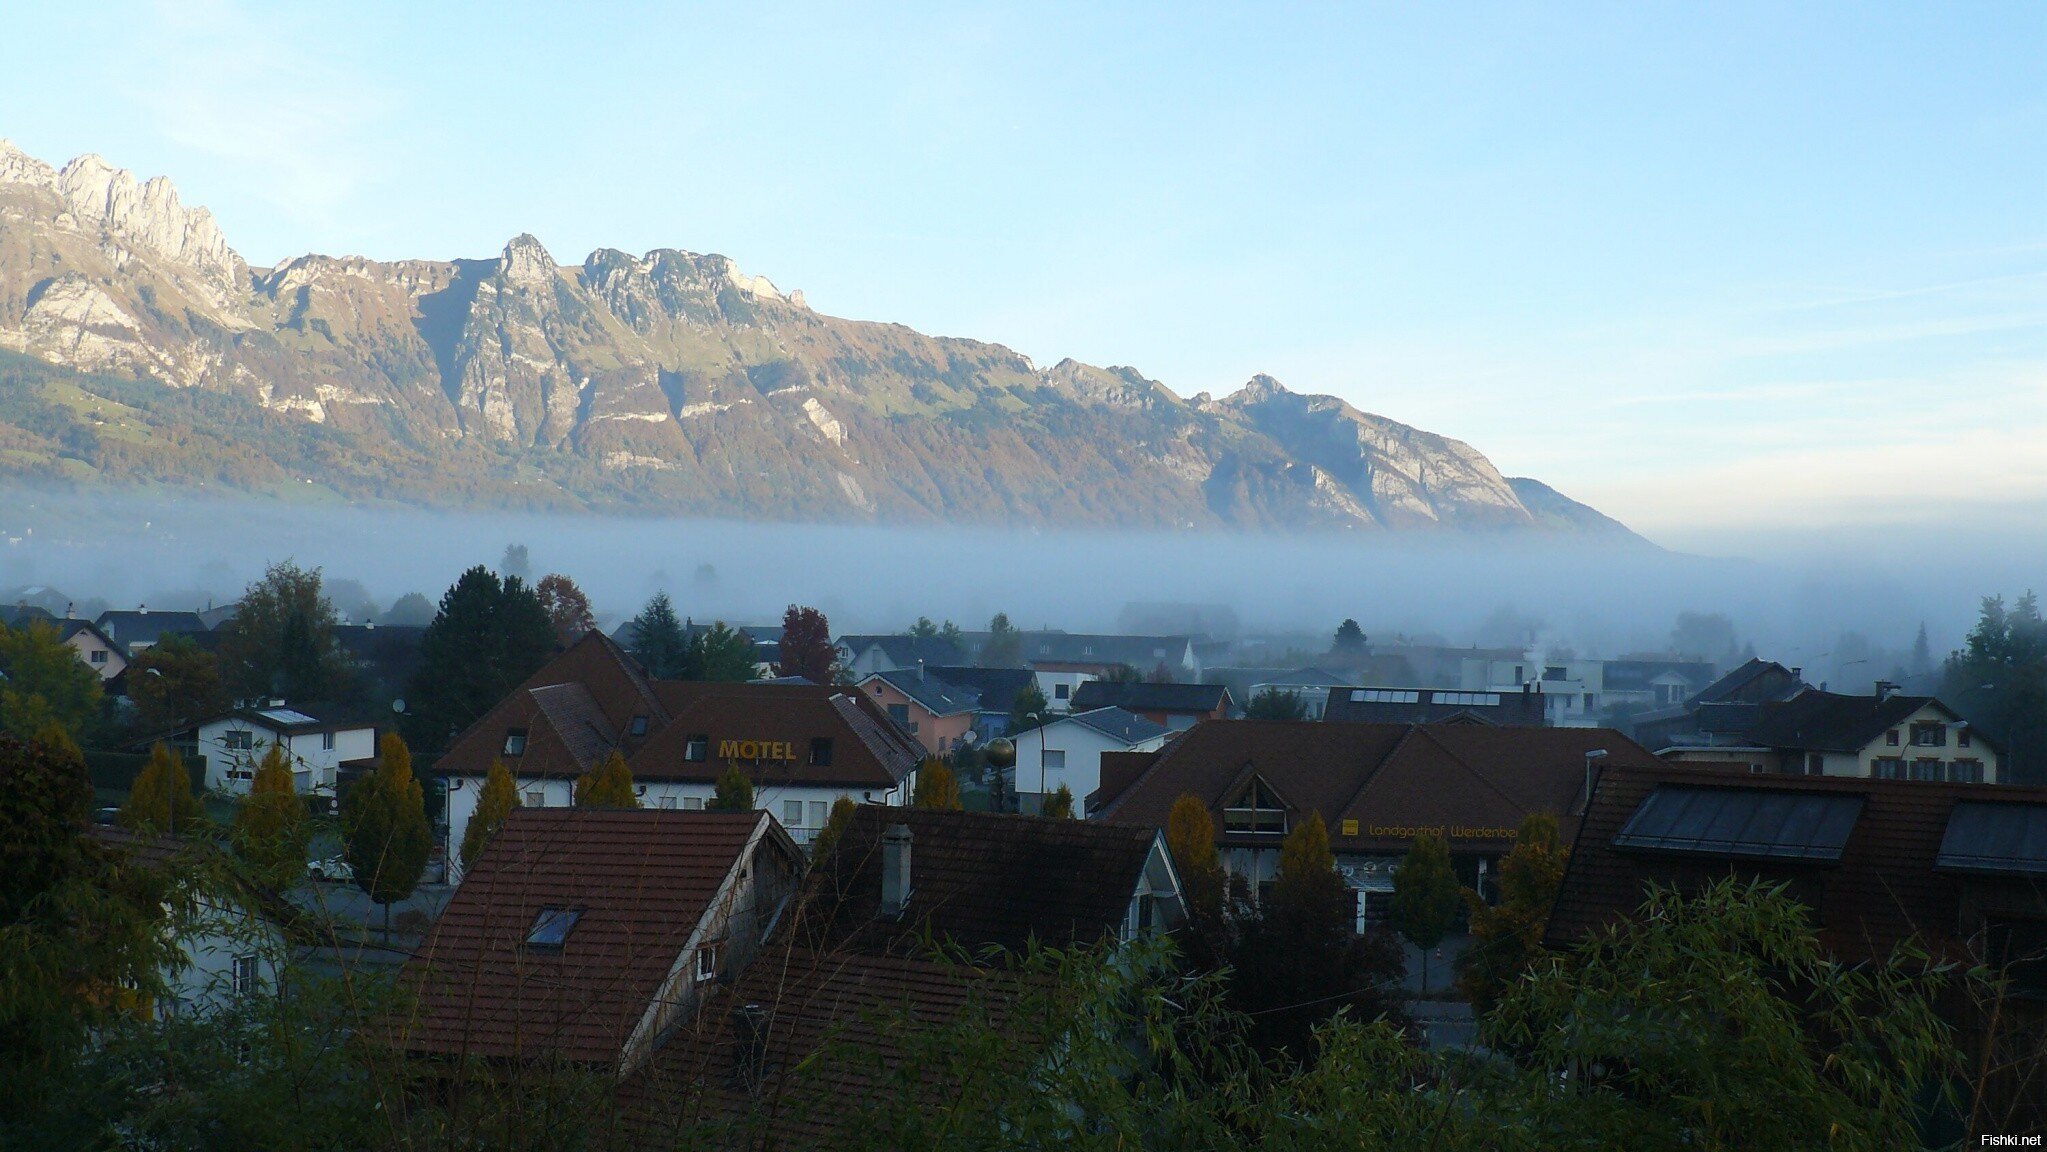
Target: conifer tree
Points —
{"points": [[1425, 897], [720, 653], [1004, 647], [1059, 805], [1190, 837], [608, 785], [384, 816], [657, 640], [734, 791], [500, 794], [269, 829], [834, 828], [161, 799], [489, 635], [936, 785], [1507, 938]]}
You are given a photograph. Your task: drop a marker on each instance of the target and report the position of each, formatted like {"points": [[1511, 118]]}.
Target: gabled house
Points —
{"points": [[588, 935], [802, 745], [230, 944], [1375, 786], [1176, 706], [141, 628], [998, 689], [1100, 655], [1887, 736], [1068, 752], [95, 649], [858, 949], [864, 655], [1721, 712], [936, 713], [315, 738]]}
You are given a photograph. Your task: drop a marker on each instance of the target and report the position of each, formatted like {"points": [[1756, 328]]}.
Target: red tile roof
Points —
{"points": [[1390, 778], [641, 880], [1884, 889]]}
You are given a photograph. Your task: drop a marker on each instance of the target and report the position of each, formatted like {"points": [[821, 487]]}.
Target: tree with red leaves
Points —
{"points": [[807, 649]]}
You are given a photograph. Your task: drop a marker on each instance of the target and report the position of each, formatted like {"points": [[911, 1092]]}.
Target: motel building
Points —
{"points": [[801, 745], [1376, 786]]}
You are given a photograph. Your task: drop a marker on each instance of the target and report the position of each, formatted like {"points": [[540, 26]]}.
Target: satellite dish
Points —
{"points": [[398, 705], [969, 736]]}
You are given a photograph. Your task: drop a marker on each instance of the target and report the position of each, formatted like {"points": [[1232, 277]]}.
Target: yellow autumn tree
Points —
{"points": [[609, 785], [500, 794], [270, 831], [937, 787], [161, 799]]}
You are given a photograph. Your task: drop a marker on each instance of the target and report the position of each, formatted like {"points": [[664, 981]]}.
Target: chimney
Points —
{"points": [[1592, 758], [920, 669], [749, 1045], [1885, 690], [895, 870]]}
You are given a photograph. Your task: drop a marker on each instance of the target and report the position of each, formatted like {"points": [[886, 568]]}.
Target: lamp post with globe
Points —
{"points": [[1001, 756]]}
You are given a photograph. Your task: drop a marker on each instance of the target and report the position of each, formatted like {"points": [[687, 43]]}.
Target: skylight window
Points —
{"points": [[638, 727], [1995, 838], [551, 927], [515, 742]]}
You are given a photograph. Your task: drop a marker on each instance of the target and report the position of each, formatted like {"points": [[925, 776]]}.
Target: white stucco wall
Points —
{"points": [[1083, 747]]}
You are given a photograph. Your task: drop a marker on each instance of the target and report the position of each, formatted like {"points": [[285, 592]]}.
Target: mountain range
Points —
{"points": [[138, 348]]}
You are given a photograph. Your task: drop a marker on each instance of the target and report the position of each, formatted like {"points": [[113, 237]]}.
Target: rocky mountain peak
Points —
{"points": [[526, 261], [1259, 389], [18, 167], [150, 217]]}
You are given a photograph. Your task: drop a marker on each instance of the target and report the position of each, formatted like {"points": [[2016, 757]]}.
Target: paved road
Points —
{"points": [[1442, 965], [348, 905]]}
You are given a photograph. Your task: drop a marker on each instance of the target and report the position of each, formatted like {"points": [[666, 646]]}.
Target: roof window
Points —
{"points": [[1995, 838], [515, 741], [821, 751], [698, 748], [637, 726], [551, 927], [1748, 823]]}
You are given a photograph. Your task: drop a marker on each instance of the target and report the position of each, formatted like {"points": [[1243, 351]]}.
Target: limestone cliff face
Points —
{"points": [[674, 380]]}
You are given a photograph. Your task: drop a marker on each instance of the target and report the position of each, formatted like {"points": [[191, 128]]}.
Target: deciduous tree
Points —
{"points": [[270, 831], [281, 640], [608, 785], [807, 649], [42, 680], [1425, 898], [1028, 710], [834, 828], [1059, 805], [1190, 837], [500, 794], [1276, 704], [568, 610], [1506, 938], [174, 682], [161, 798], [936, 785], [384, 816]]}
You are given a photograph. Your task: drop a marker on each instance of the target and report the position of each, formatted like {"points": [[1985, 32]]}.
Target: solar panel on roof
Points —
{"points": [[1745, 822], [1995, 838]]}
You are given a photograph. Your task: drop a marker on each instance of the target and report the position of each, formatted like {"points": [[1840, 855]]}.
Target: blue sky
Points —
{"points": [[1730, 273]]}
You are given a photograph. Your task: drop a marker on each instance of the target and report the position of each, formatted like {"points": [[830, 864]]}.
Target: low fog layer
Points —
{"points": [[1793, 605]]}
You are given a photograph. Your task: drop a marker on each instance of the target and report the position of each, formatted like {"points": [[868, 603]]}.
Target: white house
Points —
{"points": [[1069, 751], [229, 948], [234, 745]]}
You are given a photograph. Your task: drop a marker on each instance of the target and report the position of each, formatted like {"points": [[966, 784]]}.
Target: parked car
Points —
{"points": [[107, 816], [334, 869]]}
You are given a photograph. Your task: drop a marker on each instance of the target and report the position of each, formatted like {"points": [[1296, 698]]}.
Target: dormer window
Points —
{"points": [[515, 741], [637, 727], [698, 748], [1256, 809], [821, 751], [551, 927]]}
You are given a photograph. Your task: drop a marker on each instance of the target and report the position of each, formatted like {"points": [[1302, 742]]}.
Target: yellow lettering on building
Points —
{"points": [[756, 750]]}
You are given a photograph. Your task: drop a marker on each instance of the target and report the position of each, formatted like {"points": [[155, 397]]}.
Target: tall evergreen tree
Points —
{"points": [[270, 831], [161, 798], [656, 639], [1425, 897], [807, 648], [924, 629], [733, 792], [834, 828], [1190, 837], [1350, 639], [384, 817], [500, 794], [1028, 710], [608, 785], [721, 654], [936, 786], [281, 640], [1998, 680], [489, 635]]}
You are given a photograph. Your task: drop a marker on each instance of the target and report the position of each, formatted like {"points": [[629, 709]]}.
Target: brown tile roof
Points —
{"points": [[868, 752], [838, 976], [1884, 889], [981, 878], [1390, 777], [616, 688], [640, 881]]}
